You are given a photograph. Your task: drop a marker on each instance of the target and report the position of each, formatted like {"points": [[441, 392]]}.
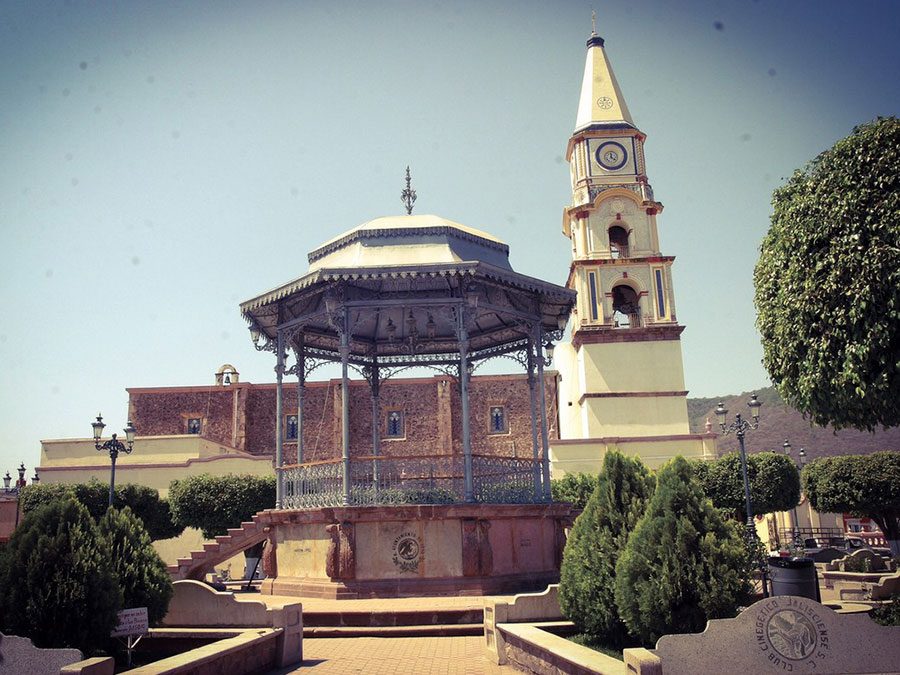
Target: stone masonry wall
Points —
{"points": [[245, 414]]}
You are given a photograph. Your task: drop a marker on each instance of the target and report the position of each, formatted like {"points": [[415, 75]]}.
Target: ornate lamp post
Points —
{"points": [[114, 446], [738, 428], [787, 451]]}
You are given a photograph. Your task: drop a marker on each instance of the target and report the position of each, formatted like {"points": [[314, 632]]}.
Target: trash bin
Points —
{"points": [[794, 576]]}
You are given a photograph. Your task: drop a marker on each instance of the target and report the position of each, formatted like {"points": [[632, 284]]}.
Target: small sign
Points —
{"points": [[132, 622]]}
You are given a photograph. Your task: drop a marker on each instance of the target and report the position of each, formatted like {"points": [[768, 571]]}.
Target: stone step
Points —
{"points": [[435, 630], [197, 555], [381, 619], [211, 546]]}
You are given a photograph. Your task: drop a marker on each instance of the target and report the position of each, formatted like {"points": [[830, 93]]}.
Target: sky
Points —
{"points": [[160, 162]]}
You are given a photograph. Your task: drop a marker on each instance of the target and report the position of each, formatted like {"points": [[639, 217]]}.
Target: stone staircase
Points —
{"points": [[402, 623], [224, 547]]}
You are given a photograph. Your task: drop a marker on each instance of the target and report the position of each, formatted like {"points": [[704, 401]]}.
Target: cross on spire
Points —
{"points": [[593, 22], [408, 196]]}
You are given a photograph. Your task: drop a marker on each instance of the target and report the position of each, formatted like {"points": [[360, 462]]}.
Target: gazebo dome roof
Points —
{"points": [[409, 240]]}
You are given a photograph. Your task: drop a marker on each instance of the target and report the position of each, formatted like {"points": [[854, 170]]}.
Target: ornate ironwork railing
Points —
{"points": [[436, 479]]}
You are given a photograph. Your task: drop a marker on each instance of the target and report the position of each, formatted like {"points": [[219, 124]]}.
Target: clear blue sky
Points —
{"points": [[162, 161]]}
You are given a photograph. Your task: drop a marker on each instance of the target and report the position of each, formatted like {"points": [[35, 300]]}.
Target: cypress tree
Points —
{"points": [[57, 585], [683, 564], [597, 538], [142, 574]]}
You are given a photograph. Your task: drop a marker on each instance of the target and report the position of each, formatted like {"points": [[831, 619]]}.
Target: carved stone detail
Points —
{"points": [[340, 562], [478, 557], [269, 557]]}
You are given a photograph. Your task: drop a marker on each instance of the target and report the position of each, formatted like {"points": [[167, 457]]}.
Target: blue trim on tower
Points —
{"points": [[595, 41]]}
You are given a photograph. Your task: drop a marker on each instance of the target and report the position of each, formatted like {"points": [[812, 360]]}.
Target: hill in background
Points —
{"points": [[779, 422]]}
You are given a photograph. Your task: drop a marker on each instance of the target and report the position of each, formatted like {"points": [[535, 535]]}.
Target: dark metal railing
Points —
{"points": [[430, 479]]}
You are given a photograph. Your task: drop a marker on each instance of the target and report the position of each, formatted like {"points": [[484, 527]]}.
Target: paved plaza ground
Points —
{"points": [[413, 656], [391, 655]]}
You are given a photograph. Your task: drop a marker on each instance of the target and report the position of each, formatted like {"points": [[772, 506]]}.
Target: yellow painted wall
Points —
{"points": [[635, 416], [155, 461], [633, 366], [587, 456]]}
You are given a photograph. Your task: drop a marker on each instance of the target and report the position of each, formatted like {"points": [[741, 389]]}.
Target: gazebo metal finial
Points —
{"points": [[408, 196]]}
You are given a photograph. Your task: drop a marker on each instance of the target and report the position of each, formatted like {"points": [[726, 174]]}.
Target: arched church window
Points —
{"points": [[626, 307], [498, 420], [618, 242], [290, 427], [394, 427]]}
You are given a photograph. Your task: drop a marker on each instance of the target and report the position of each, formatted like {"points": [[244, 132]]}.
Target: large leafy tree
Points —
{"points": [[773, 478], [143, 501], [213, 504], [574, 488], [862, 485], [600, 533], [828, 283], [683, 564], [57, 584]]}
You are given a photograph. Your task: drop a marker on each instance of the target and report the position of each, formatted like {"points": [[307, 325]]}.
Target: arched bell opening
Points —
{"points": [[626, 307], [618, 242]]}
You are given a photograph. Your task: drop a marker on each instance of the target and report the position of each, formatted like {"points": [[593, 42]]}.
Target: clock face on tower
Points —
{"points": [[611, 155]]}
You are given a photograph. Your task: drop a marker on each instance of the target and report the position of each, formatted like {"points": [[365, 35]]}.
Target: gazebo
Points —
{"points": [[396, 293], [393, 294]]}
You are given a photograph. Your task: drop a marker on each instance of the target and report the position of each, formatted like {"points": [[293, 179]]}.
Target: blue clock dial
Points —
{"points": [[611, 155]]}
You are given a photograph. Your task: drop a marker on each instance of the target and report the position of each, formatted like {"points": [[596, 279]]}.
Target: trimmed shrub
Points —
{"points": [[144, 502], [683, 564], [142, 574], [598, 537], [888, 614], [213, 504], [57, 585], [774, 483], [574, 488]]}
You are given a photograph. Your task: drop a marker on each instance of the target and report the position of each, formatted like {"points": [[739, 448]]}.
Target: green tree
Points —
{"points": [[144, 502], [828, 283], [773, 478], [592, 550], [574, 488], [683, 564], [141, 573], [57, 585], [213, 504], [862, 485]]}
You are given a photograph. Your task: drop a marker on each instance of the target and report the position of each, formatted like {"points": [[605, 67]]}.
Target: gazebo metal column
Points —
{"points": [[345, 405], [464, 402], [534, 430], [301, 394], [375, 386], [545, 463], [279, 412]]}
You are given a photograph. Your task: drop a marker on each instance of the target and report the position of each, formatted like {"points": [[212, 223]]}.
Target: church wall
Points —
{"points": [[636, 416], [511, 391], [431, 409], [165, 412], [634, 366]]}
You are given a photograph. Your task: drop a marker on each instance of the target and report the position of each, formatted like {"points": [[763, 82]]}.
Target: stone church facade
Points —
{"points": [[418, 416]]}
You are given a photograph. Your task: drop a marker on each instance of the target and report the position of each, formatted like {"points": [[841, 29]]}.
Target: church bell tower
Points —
{"points": [[622, 377]]}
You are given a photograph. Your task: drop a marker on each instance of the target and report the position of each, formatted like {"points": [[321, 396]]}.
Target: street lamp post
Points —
{"points": [[738, 428], [796, 533], [114, 446]]}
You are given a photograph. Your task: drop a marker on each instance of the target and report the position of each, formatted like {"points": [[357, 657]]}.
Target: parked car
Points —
{"points": [[826, 549]]}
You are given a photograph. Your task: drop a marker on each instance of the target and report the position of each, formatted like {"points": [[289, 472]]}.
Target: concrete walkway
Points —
{"points": [[390, 655], [396, 656]]}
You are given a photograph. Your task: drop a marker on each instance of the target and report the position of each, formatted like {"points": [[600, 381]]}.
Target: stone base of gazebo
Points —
{"points": [[402, 551]]}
